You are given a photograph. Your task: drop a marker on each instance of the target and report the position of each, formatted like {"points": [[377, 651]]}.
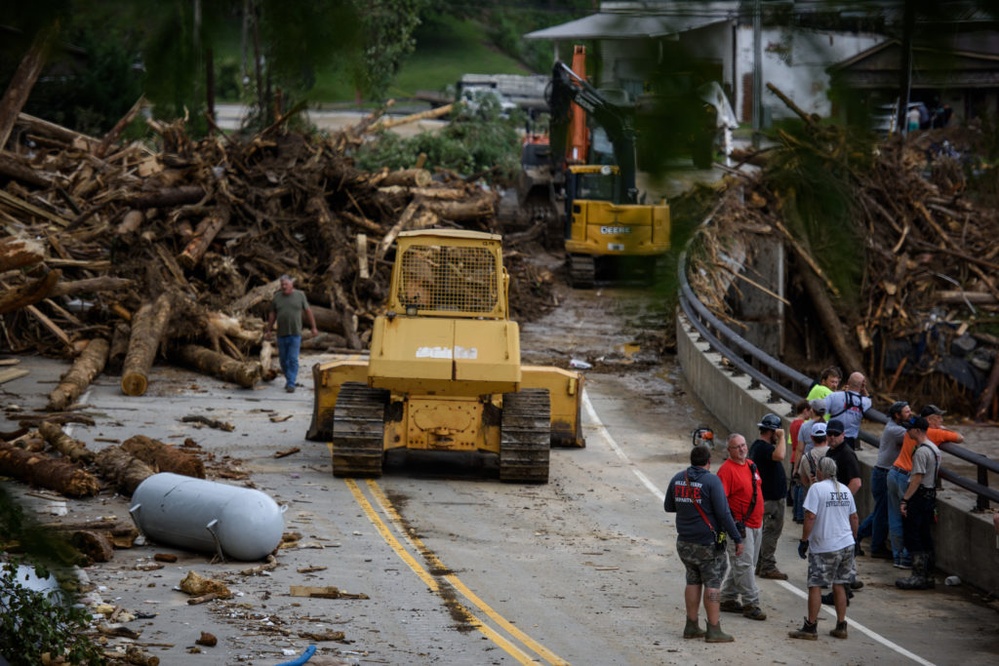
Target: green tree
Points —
{"points": [[387, 27]]}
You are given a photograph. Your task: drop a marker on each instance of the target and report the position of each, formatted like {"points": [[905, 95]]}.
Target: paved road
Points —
{"points": [[458, 568]]}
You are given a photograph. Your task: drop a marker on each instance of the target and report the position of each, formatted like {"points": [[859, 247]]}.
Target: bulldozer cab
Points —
{"points": [[449, 273]]}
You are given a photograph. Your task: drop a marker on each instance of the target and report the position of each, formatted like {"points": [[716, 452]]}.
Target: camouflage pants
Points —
{"points": [[705, 565], [835, 568]]}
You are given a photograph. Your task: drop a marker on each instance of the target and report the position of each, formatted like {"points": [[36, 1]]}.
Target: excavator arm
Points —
{"points": [[568, 88]]}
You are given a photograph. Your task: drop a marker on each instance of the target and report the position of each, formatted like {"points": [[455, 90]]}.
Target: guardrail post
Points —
{"points": [[983, 479]]}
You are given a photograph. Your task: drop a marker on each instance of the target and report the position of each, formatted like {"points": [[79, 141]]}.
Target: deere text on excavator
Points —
{"points": [[444, 371]]}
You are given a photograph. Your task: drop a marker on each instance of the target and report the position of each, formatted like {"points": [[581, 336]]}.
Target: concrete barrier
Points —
{"points": [[966, 542]]}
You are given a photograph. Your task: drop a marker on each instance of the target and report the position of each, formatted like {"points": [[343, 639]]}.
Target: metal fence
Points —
{"points": [[788, 384]]}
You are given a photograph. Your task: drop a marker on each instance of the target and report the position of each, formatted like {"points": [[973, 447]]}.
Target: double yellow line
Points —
{"points": [[546, 655]]}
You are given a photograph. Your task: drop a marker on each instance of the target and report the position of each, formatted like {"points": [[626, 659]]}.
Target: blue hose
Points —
{"points": [[298, 661]]}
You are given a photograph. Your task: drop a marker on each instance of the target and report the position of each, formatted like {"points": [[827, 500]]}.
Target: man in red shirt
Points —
{"points": [[743, 490]]}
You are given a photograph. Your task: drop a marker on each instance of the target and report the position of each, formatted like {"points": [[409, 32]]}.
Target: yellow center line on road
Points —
{"points": [[519, 655], [435, 562]]}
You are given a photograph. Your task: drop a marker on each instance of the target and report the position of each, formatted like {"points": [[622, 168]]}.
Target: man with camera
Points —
{"points": [[703, 525], [744, 492]]}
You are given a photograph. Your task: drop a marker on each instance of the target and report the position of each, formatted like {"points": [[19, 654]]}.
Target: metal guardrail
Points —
{"points": [[788, 384]]}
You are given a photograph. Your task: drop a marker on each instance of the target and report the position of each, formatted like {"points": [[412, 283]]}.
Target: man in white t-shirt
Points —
{"points": [[828, 539]]}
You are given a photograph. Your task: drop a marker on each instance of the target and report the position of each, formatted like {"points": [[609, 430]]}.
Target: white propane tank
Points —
{"points": [[236, 523]]}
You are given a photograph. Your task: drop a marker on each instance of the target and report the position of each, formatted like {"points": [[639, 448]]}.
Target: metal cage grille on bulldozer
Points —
{"points": [[448, 278]]}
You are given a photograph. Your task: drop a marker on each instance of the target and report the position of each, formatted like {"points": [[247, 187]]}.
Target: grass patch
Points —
{"points": [[446, 48]]}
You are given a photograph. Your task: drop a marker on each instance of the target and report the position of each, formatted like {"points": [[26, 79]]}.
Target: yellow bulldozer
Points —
{"points": [[444, 370]]}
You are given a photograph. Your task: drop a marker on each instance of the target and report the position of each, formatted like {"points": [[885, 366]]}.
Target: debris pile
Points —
{"points": [[138, 253], [918, 313]]}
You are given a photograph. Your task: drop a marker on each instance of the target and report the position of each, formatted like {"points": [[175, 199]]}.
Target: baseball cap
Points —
{"points": [[931, 410], [769, 422], [819, 429], [819, 406], [834, 427], [917, 423]]}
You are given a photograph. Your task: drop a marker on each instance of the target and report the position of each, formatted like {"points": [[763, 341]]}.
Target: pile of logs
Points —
{"points": [[118, 256], [928, 293]]}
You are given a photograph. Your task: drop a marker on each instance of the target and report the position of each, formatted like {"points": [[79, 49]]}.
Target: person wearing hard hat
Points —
{"points": [[768, 452]]}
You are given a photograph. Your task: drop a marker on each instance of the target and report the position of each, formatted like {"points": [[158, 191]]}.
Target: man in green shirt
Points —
{"points": [[287, 308]]}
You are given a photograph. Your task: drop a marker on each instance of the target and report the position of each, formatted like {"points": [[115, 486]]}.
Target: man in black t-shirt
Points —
{"points": [[768, 454], [847, 465]]}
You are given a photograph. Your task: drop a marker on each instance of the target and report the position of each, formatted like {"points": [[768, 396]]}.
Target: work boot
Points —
{"points": [[774, 574], [921, 578], [731, 606], [839, 631], [693, 629], [829, 600], [807, 632], [754, 613], [716, 635]]}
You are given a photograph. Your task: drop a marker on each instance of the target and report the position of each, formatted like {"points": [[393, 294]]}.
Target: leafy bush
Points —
{"points": [[34, 624]]}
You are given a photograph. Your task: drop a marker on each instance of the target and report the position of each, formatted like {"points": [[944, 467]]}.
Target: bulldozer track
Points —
{"points": [[358, 431], [525, 446], [582, 271]]}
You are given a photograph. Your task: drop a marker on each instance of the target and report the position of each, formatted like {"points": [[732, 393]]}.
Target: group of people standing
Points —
{"points": [[729, 523]]}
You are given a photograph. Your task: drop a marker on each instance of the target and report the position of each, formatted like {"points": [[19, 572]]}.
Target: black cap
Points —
{"points": [[835, 427], [931, 410]]}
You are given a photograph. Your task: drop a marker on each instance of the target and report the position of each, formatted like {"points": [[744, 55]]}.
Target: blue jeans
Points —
{"points": [[799, 503], [288, 348], [897, 483], [876, 524]]}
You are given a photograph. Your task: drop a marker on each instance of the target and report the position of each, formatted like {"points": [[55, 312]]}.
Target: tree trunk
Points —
{"points": [[461, 211], [219, 365], [119, 348], [58, 132], [123, 469], [267, 371], [169, 197], [23, 80], [203, 237], [16, 252], [14, 167], [148, 327], [70, 448], [87, 366], [407, 177], [61, 476], [130, 222], [28, 294], [91, 285], [119, 127], [163, 457], [831, 325]]}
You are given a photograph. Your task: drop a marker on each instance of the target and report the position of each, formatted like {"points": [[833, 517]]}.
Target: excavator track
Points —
{"points": [[582, 271], [525, 437], [358, 430]]}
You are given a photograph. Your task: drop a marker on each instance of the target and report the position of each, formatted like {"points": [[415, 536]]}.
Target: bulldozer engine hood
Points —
{"points": [[440, 356]]}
